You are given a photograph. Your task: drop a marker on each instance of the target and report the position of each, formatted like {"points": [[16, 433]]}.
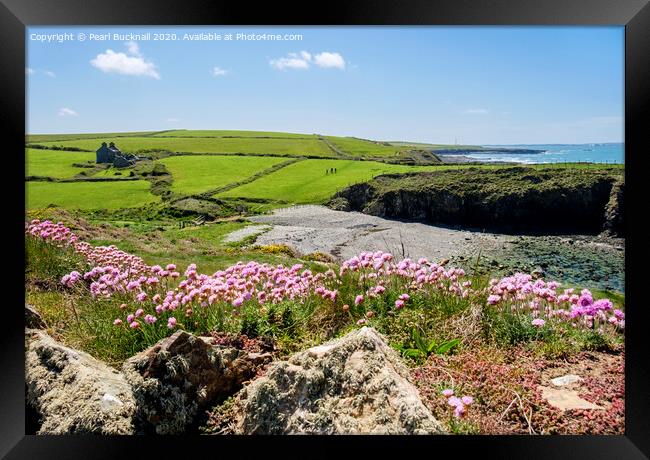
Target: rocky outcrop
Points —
{"points": [[352, 385], [33, 319], [183, 374], [72, 392], [614, 223], [505, 200]]}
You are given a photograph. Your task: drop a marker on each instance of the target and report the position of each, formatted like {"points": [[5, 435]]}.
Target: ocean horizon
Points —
{"points": [[608, 153]]}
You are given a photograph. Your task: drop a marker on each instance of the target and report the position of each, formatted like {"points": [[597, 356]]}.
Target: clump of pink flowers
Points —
{"points": [[459, 404], [545, 303], [158, 291]]}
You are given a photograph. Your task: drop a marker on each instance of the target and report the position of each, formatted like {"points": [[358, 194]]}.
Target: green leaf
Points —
{"points": [[412, 353], [446, 347], [422, 346]]}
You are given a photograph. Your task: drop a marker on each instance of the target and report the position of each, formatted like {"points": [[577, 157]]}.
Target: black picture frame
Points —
{"points": [[15, 15]]}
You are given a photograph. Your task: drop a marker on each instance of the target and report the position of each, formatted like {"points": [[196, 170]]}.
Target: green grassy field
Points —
{"points": [[37, 138], [207, 145], [197, 174], [89, 195], [363, 148], [306, 181], [222, 133], [54, 163]]}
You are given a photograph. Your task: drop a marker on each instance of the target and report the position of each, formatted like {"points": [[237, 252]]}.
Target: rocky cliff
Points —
{"points": [[518, 199]]}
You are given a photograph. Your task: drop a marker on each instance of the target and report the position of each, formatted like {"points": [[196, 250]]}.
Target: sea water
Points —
{"points": [[610, 153]]}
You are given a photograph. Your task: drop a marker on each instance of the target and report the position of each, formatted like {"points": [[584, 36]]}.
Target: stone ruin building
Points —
{"points": [[111, 154]]}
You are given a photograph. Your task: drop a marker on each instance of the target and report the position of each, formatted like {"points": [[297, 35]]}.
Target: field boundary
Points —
{"points": [[142, 134], [253, 178], [79, 179], [344, 155]]}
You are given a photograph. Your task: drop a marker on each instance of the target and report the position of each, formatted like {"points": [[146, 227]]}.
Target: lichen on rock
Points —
{"points": [[72, 392], [352, 385], [182, 374]]}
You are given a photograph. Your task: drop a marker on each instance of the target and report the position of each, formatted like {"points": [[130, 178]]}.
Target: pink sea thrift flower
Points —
{"points": [[467, 400], [171, 322], [448, 392], [149, 319], [358, 299], [538, 322], [493, 299], [117, 322]]}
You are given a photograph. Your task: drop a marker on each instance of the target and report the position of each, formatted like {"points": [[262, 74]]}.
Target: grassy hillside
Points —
{"points": [[364, 148], [229, 133], [37, 138], [206, 145]]}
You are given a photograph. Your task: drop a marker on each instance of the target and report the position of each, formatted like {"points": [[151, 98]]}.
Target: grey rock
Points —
{"points": [[566, 380], [175, 379], [74, 393], [352, 385], [566, 399], [33, 319]]}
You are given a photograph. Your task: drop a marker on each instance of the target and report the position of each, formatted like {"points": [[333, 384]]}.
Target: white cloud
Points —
{"points": [[133, 48], [218, 72], [66, 112], [50, 74], [120, 63], [173, 120], [291, 62], [476, 111], [304, 59], [327, 59], [29, 71]]}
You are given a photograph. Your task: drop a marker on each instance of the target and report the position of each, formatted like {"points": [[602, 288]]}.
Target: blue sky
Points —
{"points": [[471, 85]]}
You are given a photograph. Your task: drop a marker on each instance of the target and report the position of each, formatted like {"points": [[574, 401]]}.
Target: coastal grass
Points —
{"points": [[270, 146], [89, 195], [197, 174], [309, 182], [55, 163]]}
